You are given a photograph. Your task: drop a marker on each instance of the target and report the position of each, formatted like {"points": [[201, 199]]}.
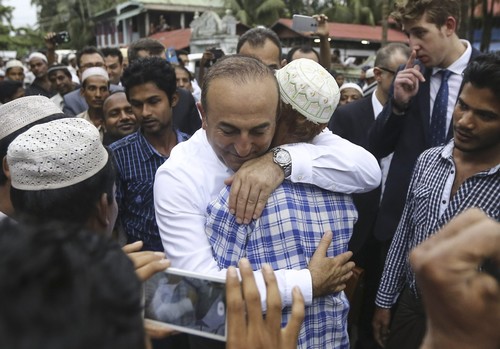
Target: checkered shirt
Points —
{"points": [[286, 236], [421, 217]]}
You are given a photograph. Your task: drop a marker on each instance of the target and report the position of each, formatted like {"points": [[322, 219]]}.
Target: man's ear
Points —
{"points": [[378, 73], [175, 99], [101, 212], [450, 25], [5, 167], [203, 115]]}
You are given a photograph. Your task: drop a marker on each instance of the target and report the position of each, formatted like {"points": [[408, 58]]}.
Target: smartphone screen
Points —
{"points": [[172, 56], [188, 302]]}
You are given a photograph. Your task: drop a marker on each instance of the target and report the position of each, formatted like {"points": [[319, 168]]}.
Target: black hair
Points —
{"points": [[61, 67], [87, 50], [113, 51], [257, 37], [484, 72], [75, 203], [152, 46], [8, 89], [303, 49], [150, 69], [65, 287]]}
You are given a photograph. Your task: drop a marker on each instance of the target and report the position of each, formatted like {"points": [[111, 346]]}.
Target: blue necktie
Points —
{"points": [[438, 119]]}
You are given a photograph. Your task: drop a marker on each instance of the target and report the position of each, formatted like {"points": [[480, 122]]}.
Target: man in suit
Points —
{"points": [[410, 122], [88, 57], [404, 125], [352, 122]]}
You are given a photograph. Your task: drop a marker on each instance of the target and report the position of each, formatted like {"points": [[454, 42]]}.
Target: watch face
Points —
{"points": [[283, 157]]}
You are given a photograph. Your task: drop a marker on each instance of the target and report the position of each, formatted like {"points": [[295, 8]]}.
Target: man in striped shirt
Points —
{"points": [[446, 181], [150, 86]]}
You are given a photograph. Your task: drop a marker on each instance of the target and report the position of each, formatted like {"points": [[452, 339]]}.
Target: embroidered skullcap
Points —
{"points": [[351, 85], [37, 55], [24, 111], [55, 155], [309, 89], [13, 63], [95, 71], [369, 73]]}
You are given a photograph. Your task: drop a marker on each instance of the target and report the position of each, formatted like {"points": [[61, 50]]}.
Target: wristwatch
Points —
{"points": [[282, 158]]}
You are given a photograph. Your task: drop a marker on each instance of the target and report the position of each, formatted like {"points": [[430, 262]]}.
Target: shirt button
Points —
{"points": [[301, 178], [452, 172], [444, 202]]}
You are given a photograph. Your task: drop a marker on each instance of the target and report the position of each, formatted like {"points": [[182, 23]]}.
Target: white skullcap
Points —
{"points": [[369, 73], [351, 85], [37, 55], [95, 71], [24, 111], [55, 155], [13, 63], [71, 56], [309, 89]]}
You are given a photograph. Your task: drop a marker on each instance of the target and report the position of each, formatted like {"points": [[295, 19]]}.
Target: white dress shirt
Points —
{"points": [[193, 176]]}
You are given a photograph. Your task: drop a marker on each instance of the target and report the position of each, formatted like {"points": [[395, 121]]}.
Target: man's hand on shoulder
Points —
{"points": [[329, 275], [252, 185]]}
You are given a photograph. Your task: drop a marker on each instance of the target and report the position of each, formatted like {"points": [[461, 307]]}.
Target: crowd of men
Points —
{"points": [[264, 168]]}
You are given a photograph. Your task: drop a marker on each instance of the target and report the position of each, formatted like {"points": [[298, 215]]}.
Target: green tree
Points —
{"points": [[5, 26], [257, 12], [74, 16]]}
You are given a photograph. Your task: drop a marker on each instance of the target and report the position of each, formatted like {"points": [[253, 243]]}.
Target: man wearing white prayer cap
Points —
{"points": [[95, 89], [14, 70], [15, 118], [39, 67], [60, 171]]}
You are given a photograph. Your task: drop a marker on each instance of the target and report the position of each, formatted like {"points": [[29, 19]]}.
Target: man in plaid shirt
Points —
{"points": [[446, 181], [296, 215]]}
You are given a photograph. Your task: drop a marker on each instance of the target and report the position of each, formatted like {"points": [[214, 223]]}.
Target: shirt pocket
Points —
{"points": [[421, 198]]}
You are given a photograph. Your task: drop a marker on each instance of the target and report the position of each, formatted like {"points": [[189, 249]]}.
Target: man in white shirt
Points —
{"points": [[236, 135]]}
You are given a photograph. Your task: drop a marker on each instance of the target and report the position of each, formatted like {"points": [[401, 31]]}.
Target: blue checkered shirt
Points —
{"points": [[421, 216], [286, 236], [137, 162]]}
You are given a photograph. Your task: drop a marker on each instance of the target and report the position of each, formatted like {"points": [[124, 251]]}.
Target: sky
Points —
{"points": [[24, 14]]}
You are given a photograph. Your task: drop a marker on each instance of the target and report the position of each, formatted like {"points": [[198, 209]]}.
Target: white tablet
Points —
{"points": [[188, 302]]}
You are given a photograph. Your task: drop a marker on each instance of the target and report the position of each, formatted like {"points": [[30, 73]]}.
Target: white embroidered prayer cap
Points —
{"points": [[55, 155], [13, 63], [309, 89], [23, 111], [95, 71], [38, 55], [351, 85]]}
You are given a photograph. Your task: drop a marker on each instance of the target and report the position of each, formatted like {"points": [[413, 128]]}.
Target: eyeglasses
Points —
{"points": [[387, 70]]}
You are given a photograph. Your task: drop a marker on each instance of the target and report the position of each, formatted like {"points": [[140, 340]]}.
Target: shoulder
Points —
{"points": [[125, 143]]}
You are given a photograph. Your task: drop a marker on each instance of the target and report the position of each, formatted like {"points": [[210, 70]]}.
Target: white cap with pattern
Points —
{"points": [[309, 89], [23, 111], [55, 155], [95, 71]]}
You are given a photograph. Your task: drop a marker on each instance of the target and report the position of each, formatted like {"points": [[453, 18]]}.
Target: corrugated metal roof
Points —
{"points": [[179, 39], [344, 31]]}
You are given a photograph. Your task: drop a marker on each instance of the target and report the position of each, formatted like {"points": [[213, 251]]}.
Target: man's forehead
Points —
{"points": [[91, 57]]}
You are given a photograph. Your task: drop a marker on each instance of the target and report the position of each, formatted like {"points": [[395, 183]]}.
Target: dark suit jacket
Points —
{"points": [[352, 122], [407, 136]]}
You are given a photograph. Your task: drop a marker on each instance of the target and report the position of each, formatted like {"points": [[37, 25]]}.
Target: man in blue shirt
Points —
{"points": [[150, 86]]}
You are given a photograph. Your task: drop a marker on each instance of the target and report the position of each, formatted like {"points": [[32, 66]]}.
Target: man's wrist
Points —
{"points": [[399, 108]]}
